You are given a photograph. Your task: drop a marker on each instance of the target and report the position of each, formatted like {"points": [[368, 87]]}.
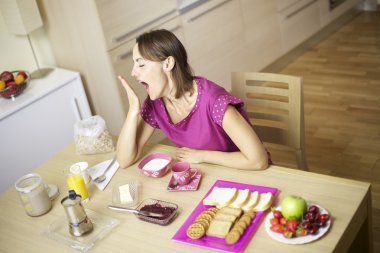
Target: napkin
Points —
{"points": [[98, 170]]}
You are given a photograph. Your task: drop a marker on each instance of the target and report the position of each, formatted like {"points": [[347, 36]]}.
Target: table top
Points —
{"points": [[346, 200]]}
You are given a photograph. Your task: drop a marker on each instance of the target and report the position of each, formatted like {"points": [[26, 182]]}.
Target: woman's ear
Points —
{"points": [[169, 63]]}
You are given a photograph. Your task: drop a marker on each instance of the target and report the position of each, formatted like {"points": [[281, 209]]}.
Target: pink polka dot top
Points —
{"points": [[202, 127]]}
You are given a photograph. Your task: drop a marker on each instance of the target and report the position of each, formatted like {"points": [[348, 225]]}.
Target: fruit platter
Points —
{"points": [[297, 222], [13, 83]]}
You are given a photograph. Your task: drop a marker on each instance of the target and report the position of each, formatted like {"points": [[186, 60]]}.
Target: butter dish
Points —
{"points": [[126, 193], [98, 170]]}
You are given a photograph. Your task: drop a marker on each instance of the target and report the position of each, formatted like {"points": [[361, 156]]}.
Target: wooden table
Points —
{"points": [[348, 201]]}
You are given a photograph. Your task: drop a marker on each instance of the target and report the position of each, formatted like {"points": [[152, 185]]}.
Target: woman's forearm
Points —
{"points": [[258, 159], [127, 149], [235, 160]]}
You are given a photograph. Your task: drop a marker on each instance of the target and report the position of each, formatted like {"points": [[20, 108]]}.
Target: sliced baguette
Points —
{"points": [[220, 196], [241, 198], [252, 201], [265, 202]]}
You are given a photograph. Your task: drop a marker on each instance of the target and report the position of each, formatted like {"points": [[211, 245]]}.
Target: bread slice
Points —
{"points": [[241, 198], [265, 202], [252, 201], [219, 228], [220, 196]]}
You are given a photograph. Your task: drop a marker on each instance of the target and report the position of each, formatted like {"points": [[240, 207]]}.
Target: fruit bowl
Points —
{"points": [[13, 83]]}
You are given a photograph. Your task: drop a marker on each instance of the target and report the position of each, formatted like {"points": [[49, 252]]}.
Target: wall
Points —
{"points": [[16, 52]]}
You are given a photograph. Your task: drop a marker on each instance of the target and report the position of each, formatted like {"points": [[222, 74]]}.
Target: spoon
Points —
{"points": [[144, 213], [103, 177], [174, 184]]}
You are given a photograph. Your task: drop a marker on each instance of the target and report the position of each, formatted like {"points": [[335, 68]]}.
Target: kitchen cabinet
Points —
{"points": [[299, 20], [262, 33], [39, 123], [328, 15], [214, 39], [122, 20]]}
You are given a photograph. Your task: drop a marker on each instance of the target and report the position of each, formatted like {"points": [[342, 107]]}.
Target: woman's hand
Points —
{"points": [[189, 155], [134, 102]]}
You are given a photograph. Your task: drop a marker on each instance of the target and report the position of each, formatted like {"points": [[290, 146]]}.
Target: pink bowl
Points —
{"points": [[155, 165]]}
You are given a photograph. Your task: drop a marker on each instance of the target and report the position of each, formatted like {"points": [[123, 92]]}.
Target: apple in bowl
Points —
{"points": [[293, 207], [12, 83]]}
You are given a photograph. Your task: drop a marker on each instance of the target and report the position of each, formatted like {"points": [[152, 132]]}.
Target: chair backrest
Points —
{"points": [[274, 103]]}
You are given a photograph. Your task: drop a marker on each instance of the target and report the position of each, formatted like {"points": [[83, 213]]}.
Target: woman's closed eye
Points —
{"points": [[140, 62]]}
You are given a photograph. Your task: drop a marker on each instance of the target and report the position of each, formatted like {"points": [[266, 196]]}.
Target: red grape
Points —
{"points": [[313, 209]]}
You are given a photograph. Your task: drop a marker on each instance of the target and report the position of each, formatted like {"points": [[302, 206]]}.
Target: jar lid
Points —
{"points": [[78, 167], [28, 182]]}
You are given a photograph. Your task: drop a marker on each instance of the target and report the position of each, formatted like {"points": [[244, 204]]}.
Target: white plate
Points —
{"points": [[296, 240]]}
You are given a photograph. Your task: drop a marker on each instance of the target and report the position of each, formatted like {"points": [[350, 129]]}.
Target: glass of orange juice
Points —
{"points": [[75, 182]]}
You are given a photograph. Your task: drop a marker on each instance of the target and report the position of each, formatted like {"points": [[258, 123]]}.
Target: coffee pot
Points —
{"points": [[79, 223]]}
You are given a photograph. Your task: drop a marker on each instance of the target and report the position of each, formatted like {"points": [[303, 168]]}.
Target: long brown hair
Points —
{"points": [[158, 45]]}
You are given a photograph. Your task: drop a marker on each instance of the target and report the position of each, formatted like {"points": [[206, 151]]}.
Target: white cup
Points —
{"points": [[81, 168]]}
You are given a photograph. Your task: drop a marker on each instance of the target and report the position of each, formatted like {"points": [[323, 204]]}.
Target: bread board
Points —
{"points": [[219, 244]]}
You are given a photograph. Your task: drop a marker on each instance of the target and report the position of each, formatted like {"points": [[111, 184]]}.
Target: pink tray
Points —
{"points": [[219, 244]]}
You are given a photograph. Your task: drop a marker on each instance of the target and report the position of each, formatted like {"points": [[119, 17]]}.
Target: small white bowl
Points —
{"points": [[155, 165]]}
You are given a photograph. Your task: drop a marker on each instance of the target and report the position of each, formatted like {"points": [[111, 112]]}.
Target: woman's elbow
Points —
{"points": [[124, 163], [262, 164], [259, 163]]}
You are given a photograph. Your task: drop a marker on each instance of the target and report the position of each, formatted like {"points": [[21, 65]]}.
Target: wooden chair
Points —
{"points": [[274, 103]]}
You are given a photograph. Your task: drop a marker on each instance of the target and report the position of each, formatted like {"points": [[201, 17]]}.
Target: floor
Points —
{"points": [[341, 76]]}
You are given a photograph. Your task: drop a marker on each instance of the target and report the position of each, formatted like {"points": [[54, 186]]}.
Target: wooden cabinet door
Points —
{"points": [[328, 15], [214, 39], [122, 20], [261, 32], [299, 21]]}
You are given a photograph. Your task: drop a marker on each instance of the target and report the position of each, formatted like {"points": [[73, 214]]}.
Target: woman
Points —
{"points": [[206, 122]]}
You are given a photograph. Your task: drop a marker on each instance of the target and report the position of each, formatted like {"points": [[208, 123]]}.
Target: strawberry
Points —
{"points": [[301, 232], [277, 214], [288, 234], [274, 221], [283, 221], [292, 225], [277, 228]]}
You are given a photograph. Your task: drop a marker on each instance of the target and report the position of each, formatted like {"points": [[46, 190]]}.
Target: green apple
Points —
{"points": [[293, 207]]}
